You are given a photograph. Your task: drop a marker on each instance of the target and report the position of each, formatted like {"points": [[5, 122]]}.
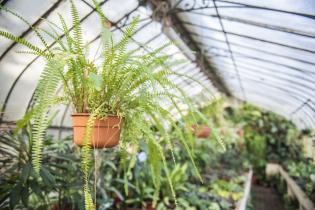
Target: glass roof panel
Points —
{"points": [[301, 6], [270, 35], [9, 22], [22, 93], [268, 19], [267, 52], [271, 48]]}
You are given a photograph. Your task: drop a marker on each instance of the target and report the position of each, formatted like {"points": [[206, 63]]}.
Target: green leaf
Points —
{"points": [[95, 81], [21, 123], [48, 178], [24, 196], [25, 172], [15, 195], [36, 189], [117, 193]]}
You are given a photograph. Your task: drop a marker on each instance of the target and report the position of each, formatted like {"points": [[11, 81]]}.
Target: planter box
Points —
{"points": [[241, 204], [293, 188]]}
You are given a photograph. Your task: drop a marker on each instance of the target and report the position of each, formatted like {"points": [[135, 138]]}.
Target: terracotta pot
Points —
{"points": [[240, 132], [105, 132], [201, 131]]}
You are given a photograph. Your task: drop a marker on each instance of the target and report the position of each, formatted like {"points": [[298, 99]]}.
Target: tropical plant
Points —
{"points": [[268, 137], [57, 186], [304, 175], [21, 187], [231, 189], [126, 84]]}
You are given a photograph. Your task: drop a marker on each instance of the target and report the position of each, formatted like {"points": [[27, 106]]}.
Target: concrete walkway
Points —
{"points": [[264, 198]]}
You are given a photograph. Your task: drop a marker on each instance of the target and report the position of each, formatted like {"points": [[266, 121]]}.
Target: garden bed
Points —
{"points": [[293, 189], [242, 203]]}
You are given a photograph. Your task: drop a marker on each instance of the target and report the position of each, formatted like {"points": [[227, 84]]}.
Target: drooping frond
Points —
{"points": [[55, 36], [44, 96], [30, 25], [24, 42], [86, 162]]}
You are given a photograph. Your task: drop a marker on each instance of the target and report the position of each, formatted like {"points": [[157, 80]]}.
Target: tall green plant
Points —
{"points": [[126, 84]]}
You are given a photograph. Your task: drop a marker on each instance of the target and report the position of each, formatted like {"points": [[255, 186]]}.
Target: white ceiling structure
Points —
{"points": [[257, 51]]}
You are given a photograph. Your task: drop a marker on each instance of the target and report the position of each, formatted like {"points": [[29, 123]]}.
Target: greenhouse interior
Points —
{"points": [[157, 104]]}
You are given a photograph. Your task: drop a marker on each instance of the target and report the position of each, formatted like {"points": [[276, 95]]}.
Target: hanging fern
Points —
{"points": [[126, 84]]}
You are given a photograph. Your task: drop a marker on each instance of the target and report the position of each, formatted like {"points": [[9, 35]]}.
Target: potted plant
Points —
{"points": [[122, 95], [201, 131], [240, 132]]}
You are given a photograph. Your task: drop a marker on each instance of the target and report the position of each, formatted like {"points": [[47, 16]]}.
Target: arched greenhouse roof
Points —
{"points": [[257, 51]]}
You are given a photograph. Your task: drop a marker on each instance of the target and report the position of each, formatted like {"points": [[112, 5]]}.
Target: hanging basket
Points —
{"points": [[105, 132], [201, 131]]}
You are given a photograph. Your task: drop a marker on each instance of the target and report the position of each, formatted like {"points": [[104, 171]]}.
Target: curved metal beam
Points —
{"points": [[243, 55], [258, 24], [269, 9], [309, 113], [245, 64], [246, 36], [274, 76], [285, 90], [230, 51], [206, 5], [249, 48]]}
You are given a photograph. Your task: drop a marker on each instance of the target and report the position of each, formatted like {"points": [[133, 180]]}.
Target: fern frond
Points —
{"points": [[66, 33], [100, 12], [30, 25], [77, 31], [44, 96], [55, 37], [25, 43], [86, 161], [28, 52]]}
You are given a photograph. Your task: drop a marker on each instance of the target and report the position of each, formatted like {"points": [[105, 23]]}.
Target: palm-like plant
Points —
{"points": [[21, 187], [126, 84]]}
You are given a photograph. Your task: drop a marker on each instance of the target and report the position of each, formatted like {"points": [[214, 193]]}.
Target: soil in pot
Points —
{"points": [[105, 132]]}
